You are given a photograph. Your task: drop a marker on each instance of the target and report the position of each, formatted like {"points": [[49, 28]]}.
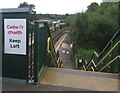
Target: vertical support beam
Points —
{"points": [[40, 41], [46, 38], [42, 48], [119, 66], [1, 51], [119, 60], [36, 53], [119, 13], [112, 57]]}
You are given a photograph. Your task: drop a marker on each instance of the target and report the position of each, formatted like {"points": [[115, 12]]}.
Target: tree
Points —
{"points": [[26, 5], [93, 7], [93, 29]]}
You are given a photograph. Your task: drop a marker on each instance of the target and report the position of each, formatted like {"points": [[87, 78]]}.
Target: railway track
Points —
{"points": [[58, 34], [55, 36]]}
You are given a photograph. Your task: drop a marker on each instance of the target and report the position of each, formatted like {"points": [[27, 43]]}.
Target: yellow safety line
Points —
{"points": [[60, 42], [108, 53], [93, 63], [88, 64], [84, 67], [58, 59], [62, 65], [109, 63], [92, 69]]}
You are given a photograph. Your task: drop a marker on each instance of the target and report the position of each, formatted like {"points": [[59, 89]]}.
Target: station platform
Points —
{"points": [[66, 53]]}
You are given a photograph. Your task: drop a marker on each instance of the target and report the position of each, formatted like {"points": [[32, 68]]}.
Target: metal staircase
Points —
{"points": [[108, 60]]}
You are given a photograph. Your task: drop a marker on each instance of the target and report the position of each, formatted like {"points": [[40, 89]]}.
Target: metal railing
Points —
{"points": [[109, 58], [55, 59], [41, 52], [109, 63]]}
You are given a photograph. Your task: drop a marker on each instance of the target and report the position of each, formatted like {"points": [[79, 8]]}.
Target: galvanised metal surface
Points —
{"points": [[15, 65]]}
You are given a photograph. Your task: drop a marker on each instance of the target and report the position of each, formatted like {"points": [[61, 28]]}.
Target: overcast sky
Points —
{"points": [[52, 6]]}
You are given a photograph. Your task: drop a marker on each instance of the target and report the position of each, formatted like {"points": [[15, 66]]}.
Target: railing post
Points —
{"points": [[119, 59], [111, 57], [36, 53]]}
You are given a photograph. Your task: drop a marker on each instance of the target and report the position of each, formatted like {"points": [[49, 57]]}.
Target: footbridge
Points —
{"points": [[37, 63]]}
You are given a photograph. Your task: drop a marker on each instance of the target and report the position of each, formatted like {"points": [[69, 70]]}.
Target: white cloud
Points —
{"points": [[52, 6]]}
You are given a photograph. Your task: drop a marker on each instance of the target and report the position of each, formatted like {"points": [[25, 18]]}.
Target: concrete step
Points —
{"points": [[80, 79]]}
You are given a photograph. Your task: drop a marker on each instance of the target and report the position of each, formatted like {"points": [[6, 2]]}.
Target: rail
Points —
{"points": [[109, 52], [51, 51], [109, 63], [109, 58]]}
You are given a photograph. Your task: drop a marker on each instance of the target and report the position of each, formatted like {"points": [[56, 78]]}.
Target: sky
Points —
{"points": [[52, 6]]}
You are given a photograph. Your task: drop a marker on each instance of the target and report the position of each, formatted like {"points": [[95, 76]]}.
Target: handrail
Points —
{"points": [[48, 44], [90, 63], [84, 67], [93, 63], [103, 57], [109, 63], [108, 53], [56, 60], [92, 69], [115, 35]]}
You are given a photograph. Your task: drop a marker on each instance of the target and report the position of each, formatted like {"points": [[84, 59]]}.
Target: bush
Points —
{"points": [[84, 53], [92, 30]]}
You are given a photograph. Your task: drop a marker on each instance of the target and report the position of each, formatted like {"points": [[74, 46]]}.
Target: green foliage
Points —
{"points": [[84, 53], [52, 16], [93, 29], [26, 5], [93, 7], [31, 8]]}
